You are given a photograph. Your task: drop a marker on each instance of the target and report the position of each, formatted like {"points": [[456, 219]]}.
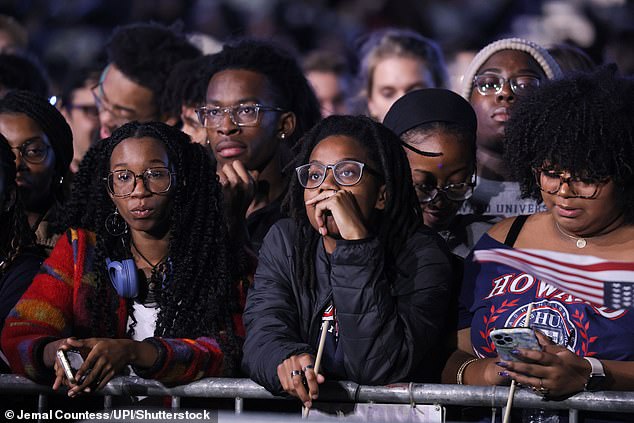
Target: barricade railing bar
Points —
{"points": [[241, 389]]}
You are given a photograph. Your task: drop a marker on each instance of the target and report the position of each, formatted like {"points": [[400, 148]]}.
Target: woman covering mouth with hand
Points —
{"points": [[354, 252]]}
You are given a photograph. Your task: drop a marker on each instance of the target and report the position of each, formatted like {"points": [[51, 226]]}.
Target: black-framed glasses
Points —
{"points": [[33, 152], [240, 115], [550, 181], [491, 84], [454, 192], [345, 172], [157, 180]]}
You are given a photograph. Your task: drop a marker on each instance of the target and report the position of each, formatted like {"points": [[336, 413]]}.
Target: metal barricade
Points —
{"points": [[341, 392]]}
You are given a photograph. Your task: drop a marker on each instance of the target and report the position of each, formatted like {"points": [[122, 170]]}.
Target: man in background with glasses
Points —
{"points": [[140, 59]]}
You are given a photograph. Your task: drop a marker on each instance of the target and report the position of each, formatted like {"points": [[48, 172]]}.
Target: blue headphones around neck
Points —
{"points": [[123, 274], [124, 278]]}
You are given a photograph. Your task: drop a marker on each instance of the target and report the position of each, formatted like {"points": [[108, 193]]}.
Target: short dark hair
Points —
{"points": [[401, 216], [147, 52], [187, 85], [78, 78], [582, 123], [23, 72], [291, 89]]}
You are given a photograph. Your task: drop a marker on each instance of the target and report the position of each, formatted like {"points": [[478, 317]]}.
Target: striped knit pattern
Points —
{"points": [[55, 306]]}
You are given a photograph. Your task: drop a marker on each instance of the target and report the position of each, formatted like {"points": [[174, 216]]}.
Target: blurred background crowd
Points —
{"points": [[71, 34]]}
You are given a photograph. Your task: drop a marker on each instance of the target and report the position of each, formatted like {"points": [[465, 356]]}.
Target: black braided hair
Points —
{"points": [[290, 87], [200, 298], [187, 85], [401, 216], [52, 123], [15, 233], [582, 124], [146, 53]]}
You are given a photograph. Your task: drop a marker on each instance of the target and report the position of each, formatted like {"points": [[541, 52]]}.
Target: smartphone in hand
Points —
{"points": [[509, 339], [71, 361]]}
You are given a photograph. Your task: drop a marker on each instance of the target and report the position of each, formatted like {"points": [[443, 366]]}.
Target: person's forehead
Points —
{"points": [[338, 147], [122, 91], [234, 85], [18, 127], [511, 61]]}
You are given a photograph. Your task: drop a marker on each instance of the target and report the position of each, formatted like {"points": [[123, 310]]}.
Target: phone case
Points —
{"points": [[71, 361], [509, 339]]}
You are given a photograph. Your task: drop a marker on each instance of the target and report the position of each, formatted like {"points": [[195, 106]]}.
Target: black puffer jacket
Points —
{"points": [[387, 330]]}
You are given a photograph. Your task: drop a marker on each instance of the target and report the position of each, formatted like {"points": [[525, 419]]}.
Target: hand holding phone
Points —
{"points": [[70, 360], [509, 339]]}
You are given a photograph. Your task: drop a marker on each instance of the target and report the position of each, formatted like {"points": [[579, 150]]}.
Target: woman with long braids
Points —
{"points": [[143, 277], [20, 259], [354, 252], [43, 145]]}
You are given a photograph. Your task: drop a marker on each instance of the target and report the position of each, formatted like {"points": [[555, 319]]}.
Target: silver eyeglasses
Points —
{"points": [[345, 172], [240, 115], [490, 84]]}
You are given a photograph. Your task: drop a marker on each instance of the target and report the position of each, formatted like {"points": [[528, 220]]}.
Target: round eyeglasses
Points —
{"points": [[33, 152], [550, 181], [157, 180], [345, 172], [240, 115], [489, 84], [454, 192]]}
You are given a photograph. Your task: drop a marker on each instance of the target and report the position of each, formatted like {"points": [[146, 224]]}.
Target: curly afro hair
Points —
{"points": [[147, 53], [583, 124]]}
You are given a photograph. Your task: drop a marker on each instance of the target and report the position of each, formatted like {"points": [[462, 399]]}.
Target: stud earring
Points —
{"points": [[282, 135]]}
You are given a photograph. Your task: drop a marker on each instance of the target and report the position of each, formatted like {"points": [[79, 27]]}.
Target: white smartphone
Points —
{"points": [[71, 361], [509, 339]]}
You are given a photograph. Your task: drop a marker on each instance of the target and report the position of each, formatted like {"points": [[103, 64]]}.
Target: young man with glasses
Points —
{"points": [[140, 59], [258, 105], [498, 75]]}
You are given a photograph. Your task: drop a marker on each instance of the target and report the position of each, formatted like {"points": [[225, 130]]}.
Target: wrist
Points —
{"points": [[595, 378], [462, 370], [143, 354], [49, 353]]}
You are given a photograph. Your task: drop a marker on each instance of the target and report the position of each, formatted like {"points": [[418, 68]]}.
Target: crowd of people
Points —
{"points": [[180, 215]]}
